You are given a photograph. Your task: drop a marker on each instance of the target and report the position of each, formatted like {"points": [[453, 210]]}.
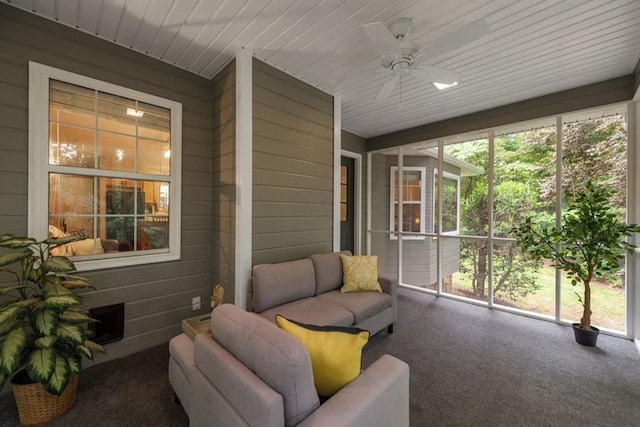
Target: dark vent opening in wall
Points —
{"points": [[109, 324]]}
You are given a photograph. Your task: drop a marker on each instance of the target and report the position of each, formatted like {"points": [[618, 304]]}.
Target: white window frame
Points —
{"points": [[392, 201], [39, 167], [435, 208]]}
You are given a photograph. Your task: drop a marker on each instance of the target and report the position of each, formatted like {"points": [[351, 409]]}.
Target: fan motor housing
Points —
{"points": [[401, 28]]}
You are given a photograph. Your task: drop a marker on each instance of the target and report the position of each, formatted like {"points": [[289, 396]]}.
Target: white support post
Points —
{"points": [[633, 216], [558, 210], [368, 243], [490, 213], [438, 214], [244, 175], [398, 224], [337, 146]]}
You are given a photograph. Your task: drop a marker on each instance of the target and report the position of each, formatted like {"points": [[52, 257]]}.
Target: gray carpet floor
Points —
{"points": [[469, 367]]}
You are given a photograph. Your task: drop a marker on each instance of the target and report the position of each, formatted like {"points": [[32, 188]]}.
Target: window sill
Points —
{"points": [[84, 264]]}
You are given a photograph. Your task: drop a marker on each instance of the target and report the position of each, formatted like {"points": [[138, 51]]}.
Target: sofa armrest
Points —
{"points": [[378, 397], [390, 286]]}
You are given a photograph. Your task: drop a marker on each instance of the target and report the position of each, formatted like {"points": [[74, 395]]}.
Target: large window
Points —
{"points": [[105, 164], [413, 201]]}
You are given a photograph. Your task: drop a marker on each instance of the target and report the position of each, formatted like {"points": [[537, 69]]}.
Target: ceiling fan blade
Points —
{"points": [[381, 37], [387, 87], [436, 75], [456, 39]]}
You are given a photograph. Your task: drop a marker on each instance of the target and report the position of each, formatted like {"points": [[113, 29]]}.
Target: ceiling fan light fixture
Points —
{"points": [[442, 86], [134, 112]]}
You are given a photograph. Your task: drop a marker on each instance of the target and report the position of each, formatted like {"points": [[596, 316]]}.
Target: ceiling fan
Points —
{"points": [[400, 57]]}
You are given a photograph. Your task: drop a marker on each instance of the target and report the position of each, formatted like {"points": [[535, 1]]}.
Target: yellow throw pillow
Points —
{"points": [[360, 273], [336, 352]]}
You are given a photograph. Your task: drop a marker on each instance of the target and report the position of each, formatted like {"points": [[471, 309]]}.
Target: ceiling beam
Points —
{"points": [[606, 92]]}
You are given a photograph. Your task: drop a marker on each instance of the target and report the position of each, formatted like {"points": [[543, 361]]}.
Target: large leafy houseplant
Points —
{"points": [[41, 325], [590, 243]]}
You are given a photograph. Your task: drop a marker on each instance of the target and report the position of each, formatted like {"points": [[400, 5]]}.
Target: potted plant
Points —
{"points": [[590, 243], [41, 333]]}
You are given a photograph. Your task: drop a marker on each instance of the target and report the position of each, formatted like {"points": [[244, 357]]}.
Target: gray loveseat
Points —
{"points": [[248, 372], [308, 291]]}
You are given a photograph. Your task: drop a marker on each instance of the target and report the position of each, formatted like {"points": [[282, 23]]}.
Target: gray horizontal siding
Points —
{"points": [[292, 167], [156, 296]]}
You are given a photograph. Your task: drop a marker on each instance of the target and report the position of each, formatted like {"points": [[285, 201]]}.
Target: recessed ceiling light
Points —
{"points": [[441, 86], [135, 113]]}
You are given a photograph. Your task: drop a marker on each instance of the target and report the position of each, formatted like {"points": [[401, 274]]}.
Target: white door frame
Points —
{"points": [[357, 196]]}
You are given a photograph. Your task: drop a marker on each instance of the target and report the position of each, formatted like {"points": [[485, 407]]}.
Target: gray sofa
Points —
{"points": [[308, 291], [248, 372]]}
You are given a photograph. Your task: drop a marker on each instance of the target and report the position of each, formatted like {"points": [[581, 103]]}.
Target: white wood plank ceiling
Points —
{"points": [[535, 47]]}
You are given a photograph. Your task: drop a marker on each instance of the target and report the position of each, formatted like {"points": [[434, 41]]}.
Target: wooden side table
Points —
{"points": [[196, 325]]}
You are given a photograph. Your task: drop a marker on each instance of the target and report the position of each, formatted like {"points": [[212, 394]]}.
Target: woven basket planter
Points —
{"points": [[36, 405]]}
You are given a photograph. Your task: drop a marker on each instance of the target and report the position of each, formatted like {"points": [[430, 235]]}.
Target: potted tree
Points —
{"points": [[42, 340], [590, 243]]}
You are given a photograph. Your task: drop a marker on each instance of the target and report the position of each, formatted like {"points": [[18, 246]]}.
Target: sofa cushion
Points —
{"points": [[361, 304], [328, 271], [336, 352], [274, 356], [312, 310], [275, 284]]}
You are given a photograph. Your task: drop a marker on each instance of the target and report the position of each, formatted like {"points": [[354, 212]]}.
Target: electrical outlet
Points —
{"points": [[195, 303]]}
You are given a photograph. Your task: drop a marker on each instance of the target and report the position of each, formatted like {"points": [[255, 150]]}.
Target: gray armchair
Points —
{"points": [[250, 373]]}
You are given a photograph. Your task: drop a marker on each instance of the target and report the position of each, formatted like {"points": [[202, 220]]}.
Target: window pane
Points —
{"points": [[524, 179], [154, 157], [524, 183], [464, 267], [71, 146], [115, 233], [474, 191], [411, 218], [449, 204], [112, 114], [134, 214], [120, 198], [155, 122], [411, 186], [71, 104], [522, 283], [597, 150], [153, 234], [120, 228], [117, 152], [70, 195]]}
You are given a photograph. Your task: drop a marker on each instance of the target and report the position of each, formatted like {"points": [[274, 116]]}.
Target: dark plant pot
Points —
{"points": [[583, 337]]}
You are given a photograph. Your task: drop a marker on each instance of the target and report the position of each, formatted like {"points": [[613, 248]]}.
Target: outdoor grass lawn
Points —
{"points": [[607, 303]]}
